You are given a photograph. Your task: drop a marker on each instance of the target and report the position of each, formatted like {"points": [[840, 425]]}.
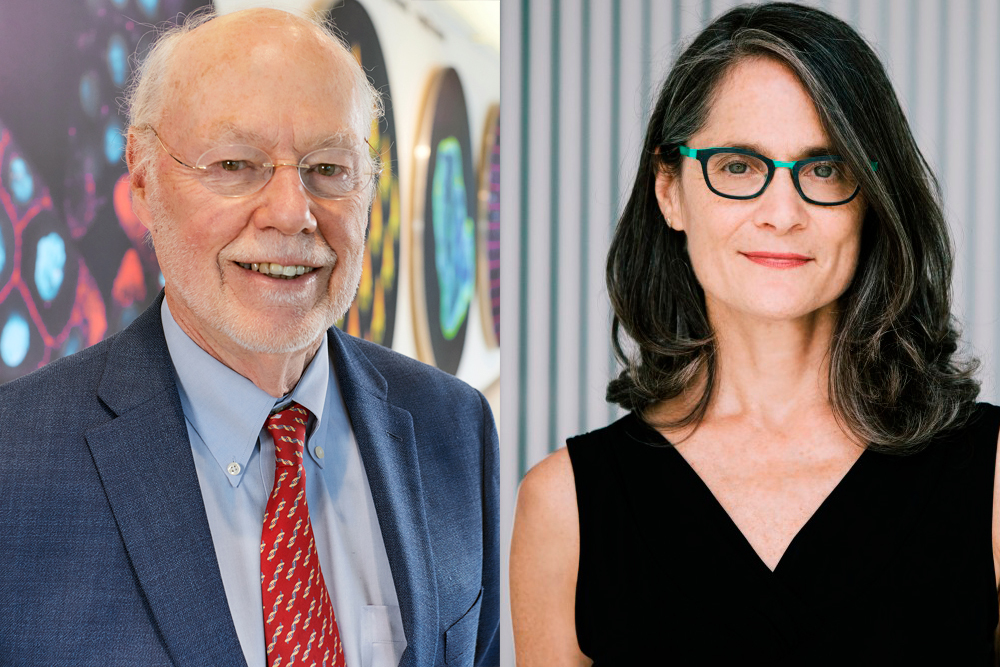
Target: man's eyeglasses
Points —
{"points": [[737, 173], [238, 170]]}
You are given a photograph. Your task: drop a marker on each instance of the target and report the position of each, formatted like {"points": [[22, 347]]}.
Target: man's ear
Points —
{"points": [[666, 196], [137, 179]]}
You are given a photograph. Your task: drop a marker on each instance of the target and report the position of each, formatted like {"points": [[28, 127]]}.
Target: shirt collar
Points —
{"points": [[226, 409]]}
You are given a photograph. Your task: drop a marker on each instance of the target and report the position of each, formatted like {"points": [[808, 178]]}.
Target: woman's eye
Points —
{"points": [[736, 167], [824, 170]]}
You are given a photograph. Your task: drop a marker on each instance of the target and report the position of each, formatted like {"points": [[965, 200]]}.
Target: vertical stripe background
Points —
{"points": [[579, 78]]}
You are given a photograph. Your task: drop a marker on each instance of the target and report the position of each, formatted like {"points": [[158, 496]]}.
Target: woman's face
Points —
{"points": [[774, 257]]}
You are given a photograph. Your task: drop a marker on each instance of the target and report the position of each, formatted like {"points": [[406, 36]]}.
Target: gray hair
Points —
{"points": [[144, 98]]}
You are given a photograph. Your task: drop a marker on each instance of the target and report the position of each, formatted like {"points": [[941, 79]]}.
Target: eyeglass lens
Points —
{"points": [[241, 170], [741, 175]]}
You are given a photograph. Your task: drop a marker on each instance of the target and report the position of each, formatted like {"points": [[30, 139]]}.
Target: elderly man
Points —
{"points": [[231, 480]]}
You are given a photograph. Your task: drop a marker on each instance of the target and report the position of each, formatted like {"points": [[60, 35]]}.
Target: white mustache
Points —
{"points": [[313, 254]]}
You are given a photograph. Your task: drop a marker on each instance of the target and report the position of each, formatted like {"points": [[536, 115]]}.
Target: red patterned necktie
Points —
{"points": [[299, 624]]}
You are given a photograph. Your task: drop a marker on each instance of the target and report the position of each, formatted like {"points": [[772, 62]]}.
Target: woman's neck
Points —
{"points": [[771, 372]]}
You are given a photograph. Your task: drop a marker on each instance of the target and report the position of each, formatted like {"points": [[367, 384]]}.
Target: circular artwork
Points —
{"points": [[489, 228], [444, 257], [372, 316]]}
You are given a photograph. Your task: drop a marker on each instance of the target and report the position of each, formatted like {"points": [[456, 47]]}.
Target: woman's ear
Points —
{"points": [[667, 197]]}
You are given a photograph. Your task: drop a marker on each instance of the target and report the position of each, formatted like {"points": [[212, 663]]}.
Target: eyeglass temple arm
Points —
{"points": [[166, 150]]}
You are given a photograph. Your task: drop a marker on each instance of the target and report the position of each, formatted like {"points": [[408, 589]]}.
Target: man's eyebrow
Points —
{"points": [[336, 140], [227, 132]]}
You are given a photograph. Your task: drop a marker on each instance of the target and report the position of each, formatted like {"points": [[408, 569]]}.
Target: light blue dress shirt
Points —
{"points": [[234, 458]]}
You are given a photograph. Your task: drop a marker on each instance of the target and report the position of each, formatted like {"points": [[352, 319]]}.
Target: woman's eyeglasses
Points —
{"points": [[738, 173]]}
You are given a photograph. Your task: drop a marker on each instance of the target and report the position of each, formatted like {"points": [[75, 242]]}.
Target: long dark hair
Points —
{"points": [[895, 377]]}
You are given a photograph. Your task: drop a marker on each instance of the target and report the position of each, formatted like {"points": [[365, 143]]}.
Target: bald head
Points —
{"points": [[255, 46]]}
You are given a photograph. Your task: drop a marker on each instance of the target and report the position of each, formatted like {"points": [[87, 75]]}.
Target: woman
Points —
{"points": [[804, 477]]}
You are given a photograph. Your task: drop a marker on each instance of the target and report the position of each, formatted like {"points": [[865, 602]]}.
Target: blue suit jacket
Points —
{"points": [[107, 558]]}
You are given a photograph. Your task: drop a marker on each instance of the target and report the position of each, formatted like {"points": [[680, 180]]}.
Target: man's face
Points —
{"points": [[274, 84]]}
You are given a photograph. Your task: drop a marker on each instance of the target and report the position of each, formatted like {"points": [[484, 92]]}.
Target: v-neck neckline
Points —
{"points": [[736, 535]]}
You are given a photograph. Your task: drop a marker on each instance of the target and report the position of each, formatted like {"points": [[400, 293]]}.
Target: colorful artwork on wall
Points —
{"points": [[75, 266], [489, 228], [373, 314], [49, 303], [444, 244]]}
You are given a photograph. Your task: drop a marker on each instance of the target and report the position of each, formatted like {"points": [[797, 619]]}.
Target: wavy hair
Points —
{"points": [[896, 378]]}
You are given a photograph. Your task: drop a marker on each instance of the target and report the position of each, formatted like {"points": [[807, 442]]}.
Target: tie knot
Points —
{"points": [[288, 429]]}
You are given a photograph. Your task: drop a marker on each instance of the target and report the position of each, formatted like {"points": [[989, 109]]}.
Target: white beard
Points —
{"points": [[295, 332]]}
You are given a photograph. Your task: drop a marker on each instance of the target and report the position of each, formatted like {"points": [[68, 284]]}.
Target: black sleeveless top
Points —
{"points": [[894, 568]]}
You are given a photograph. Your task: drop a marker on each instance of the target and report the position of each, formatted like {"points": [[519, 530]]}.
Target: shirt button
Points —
{"points": [[319, 452], [234, 468]]}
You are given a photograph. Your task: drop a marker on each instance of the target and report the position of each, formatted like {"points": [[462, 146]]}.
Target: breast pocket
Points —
{"points": [[382, 638], [460, 638]]}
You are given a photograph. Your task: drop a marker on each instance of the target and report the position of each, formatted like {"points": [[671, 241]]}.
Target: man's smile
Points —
{"points": [[275, 270]]}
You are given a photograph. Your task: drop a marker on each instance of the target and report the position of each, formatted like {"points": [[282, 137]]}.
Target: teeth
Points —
{"points": [[277, 270]]}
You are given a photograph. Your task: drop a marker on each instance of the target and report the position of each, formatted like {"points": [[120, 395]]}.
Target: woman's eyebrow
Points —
{"points": [[808, 152]]}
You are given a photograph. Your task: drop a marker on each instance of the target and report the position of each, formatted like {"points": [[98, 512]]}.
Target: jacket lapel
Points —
{"points": [[144, 459], [387, 443]]}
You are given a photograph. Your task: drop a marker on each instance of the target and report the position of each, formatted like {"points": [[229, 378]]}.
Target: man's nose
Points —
{"points": [[780, 206], [286, 204]]}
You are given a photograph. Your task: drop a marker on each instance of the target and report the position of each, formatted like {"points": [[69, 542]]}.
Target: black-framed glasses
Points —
{"points": [[738, 173], [238, 170]]}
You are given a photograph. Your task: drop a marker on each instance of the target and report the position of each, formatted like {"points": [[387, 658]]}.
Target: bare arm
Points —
{"points": [[996, 539], [544, 558], [996, 517]]}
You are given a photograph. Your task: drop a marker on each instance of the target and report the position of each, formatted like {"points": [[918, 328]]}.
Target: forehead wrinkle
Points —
{"points": [[341, 139], [228, 132]]}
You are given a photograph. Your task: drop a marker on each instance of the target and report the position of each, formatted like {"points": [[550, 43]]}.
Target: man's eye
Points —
{"points": [[233, 165], [329, 170]]}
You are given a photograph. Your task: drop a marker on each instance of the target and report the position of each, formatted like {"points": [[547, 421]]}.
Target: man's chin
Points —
{"points": [[263, 337]]}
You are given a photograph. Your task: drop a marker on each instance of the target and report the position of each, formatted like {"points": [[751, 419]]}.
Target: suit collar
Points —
{"points": [[144, 459], [386, 440]]}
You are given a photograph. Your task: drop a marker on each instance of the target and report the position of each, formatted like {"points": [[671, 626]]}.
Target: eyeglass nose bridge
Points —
{"points": [[793, 171], [274, 165]]}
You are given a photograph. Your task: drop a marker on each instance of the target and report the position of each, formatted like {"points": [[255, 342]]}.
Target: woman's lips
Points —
{"points": [[777, 260]]}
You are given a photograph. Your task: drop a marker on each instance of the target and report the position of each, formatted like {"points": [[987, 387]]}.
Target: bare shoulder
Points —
{"points": [[544, 558], [550, 488], [546, 521]]}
